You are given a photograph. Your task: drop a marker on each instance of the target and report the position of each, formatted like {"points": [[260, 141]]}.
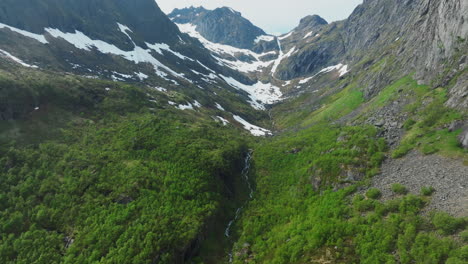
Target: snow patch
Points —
{"points": [[305, 80], [188, 106], [266, 93], [308, 34], [25, 33], [124, 30], [160, 89], [17, 60], [219, 107], [342, 69], [141, 76], [223, 120], [217, 48], [197, 104], [281, 57], [253, 129], [266, 38], [159, 47], [116, 76], [137, 55], [286, 36]]}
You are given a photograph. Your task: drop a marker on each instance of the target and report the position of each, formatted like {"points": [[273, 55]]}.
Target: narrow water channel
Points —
{"points": [[245, 176]]}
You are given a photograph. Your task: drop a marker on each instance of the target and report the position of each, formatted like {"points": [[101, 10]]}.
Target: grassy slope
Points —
{"points": [[290, 222]]}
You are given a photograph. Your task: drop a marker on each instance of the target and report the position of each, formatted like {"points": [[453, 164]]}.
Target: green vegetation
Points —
{"points": [[124, 191], [399, 188], [427, 191], [427, 126], [373, 193], [115, 176], [296, 218], [447, 223]]}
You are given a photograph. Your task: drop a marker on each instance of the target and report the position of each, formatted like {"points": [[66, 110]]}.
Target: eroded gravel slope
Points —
{"points": [[449, 178]]}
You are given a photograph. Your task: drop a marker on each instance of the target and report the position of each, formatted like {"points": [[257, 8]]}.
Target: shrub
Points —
{"points": [[427, 191], [429, 149], [446, 223], [399, 189], [402, 150], [373, 193], [464, 235], [364, 205], [409, 124]]}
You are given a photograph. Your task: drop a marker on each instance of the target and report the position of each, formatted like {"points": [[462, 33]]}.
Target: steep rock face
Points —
{"points": [[95, 18], [118, 39], [225, 26], [420, 34]]}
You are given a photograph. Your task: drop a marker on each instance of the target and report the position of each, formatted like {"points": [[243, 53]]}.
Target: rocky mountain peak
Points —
{"points": [[187, 15], [222, 25], [312, 21]]}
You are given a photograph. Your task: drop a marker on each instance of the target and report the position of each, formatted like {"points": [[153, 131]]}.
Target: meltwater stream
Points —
{"points": [[245, 176]]}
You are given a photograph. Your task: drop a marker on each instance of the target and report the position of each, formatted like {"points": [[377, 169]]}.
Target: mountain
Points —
{"points": [[213, 25], [129, 136]]}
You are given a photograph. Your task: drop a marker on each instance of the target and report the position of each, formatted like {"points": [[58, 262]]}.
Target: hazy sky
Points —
{"points": [[274, 16]]}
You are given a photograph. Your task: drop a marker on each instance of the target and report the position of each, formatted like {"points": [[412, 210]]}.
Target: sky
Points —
{"points": [[274, 16]]}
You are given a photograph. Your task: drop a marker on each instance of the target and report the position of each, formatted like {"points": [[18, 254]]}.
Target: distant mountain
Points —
{"points": [[225, 26]]}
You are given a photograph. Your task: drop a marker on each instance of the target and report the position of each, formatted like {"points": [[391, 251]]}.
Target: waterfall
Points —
{"points": [[245, 176]]}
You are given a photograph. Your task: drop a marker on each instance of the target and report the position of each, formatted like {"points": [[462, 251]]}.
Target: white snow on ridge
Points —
{"points": [[25, 33], [266, 38], [217, 48], [342, 69], [137, 55], [219, 107], [281, 57], [223, 120], [188, 106], [124, 30], [254, 130], [305, 80], [286, 36], [159, 47], [266, 93], [141, 76], [308, 34], [17, 60], [81, 41]]}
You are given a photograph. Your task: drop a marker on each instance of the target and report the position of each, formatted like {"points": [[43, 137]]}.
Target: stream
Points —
{"points": [[245, 176]]}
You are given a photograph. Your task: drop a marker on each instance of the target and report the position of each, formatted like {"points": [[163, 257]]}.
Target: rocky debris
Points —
{"points": [[448, 177], [463, 138], [294, 151], [68, 241], [458, 94], [244, 251], [124, 199], [455, 125], [390, 120]]}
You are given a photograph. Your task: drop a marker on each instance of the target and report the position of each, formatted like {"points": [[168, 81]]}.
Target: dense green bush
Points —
{"points": [[427, 191], [138, 189], [399, 188], [464, 235], [447, 223], [373, 193], [409, 124]]}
